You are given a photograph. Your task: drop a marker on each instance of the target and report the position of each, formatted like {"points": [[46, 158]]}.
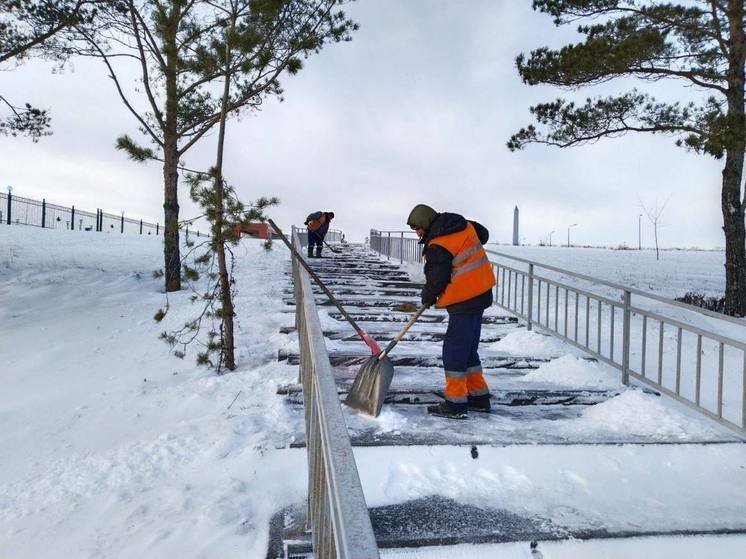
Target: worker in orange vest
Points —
{"points": [[318, 225], [459, 278]]}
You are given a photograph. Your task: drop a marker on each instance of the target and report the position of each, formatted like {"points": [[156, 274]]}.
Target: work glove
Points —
{"points": [[427, 299]]}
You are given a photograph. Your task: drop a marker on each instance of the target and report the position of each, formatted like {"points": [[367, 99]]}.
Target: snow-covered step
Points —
{"points": [[348, 359], [551, 424], [515, 494], [356, 303], [533, 397], [425, 317], [555, 458], [367, 291]]}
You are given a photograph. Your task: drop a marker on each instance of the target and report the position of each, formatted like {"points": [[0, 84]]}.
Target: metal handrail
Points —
{"points": [[406, 249], [332, 236], [337, 513], [538, 300], [632, 290]]}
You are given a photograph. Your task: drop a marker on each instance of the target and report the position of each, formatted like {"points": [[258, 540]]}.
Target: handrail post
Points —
{"points": [[625, 340], [529, 323]]}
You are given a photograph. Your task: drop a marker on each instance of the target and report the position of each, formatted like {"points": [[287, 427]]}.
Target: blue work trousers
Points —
{"points": [[314, 239], [463, 369]]}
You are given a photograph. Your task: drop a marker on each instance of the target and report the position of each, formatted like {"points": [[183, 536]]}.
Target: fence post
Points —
{"points": [[388, 247], [625, 339], [141, 227], [98, 220], [157, 227], [9, 198], [529, 324], [401, 249], [72, 218], [43, 212], [121, 226]]}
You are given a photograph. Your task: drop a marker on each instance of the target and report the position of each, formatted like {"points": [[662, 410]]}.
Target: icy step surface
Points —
{"points": [[548, 462]]}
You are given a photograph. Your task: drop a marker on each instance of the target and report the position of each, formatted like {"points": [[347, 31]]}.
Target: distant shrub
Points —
{"points": [[697, 299]]}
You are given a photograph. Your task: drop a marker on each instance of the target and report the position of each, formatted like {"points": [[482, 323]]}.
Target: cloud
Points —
{"points": [[416, 108]]}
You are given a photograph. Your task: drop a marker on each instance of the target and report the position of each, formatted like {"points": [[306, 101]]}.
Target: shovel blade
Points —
{"points": [[371, 385]]}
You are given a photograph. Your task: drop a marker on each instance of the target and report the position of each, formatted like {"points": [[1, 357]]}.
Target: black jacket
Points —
{"points": [[324, 229], [439, 264]]}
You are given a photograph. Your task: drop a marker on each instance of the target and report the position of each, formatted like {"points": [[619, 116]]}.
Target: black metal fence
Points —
{"points": [[16, 210]]}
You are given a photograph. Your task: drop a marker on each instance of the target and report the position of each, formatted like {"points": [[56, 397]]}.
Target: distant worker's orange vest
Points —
{"points": [[314, 224], [471, 274]]}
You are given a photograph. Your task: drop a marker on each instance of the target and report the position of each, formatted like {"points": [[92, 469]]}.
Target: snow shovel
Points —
{"points": [[373, 381], [335, 251], [370, 342]]}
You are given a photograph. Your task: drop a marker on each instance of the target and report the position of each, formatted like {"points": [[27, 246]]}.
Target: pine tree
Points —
{"points": [[37, 28], [700, 43], [250, 34], [177, 45]]}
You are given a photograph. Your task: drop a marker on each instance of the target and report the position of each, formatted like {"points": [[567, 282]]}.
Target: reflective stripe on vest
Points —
{"points": [[472, 273]]}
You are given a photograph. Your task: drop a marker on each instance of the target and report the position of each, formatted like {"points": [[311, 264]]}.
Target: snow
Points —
{"points": [[639, 413], [112, 447], [677, 271], [573, 372], [624, 487], [675, 547], [529, 342]]}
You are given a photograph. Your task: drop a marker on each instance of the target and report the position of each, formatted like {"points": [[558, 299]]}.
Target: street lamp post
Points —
{"points": [[568, 234], [639, 232], [550, 238]]}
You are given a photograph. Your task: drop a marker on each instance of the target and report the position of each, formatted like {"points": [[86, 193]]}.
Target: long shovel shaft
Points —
{"points": [[329, 246], [370, 342], [401, 333]]}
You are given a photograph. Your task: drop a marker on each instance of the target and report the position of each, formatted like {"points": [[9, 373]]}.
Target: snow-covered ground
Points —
{"points": [[112, 447]]}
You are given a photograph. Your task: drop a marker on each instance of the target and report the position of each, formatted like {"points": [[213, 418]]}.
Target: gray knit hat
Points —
{"points": [[421, 216]]}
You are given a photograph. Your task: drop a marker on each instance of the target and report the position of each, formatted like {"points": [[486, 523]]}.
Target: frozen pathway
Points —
{"points": [[563, 473]]}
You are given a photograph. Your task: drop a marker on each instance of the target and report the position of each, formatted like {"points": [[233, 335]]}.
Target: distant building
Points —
{"points": [[254, 230], [515, 226]]}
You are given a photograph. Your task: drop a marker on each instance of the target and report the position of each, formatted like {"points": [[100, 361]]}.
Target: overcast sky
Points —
{"points": [[416, 109]]}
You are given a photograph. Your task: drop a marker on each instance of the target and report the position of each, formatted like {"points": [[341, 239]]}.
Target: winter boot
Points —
{"points": [[310, 251], [448, 410], [479, 403], [318, 251]]}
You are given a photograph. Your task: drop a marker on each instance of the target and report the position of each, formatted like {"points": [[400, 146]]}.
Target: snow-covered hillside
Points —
{"points": [[111, 447]]}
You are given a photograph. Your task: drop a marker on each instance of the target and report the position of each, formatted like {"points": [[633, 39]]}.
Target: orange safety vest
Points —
{"points": [[471, 272], [314, 224]]}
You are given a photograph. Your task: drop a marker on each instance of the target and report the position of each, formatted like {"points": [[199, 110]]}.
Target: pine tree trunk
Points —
{"points": [[735, 236], [228, 310], [730, 200], [171, 252], [219, 242]]}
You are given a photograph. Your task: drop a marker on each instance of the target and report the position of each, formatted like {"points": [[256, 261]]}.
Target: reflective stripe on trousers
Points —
{"points": [[463, 370]]}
